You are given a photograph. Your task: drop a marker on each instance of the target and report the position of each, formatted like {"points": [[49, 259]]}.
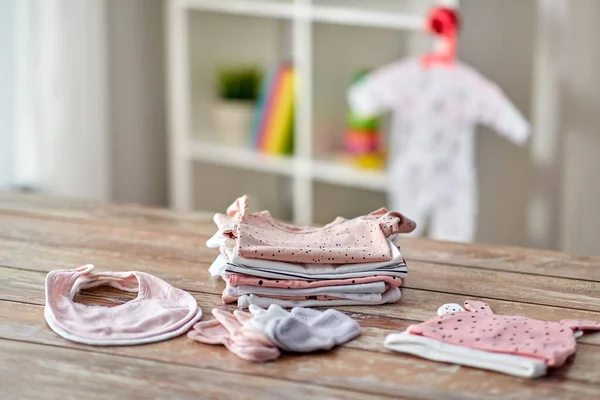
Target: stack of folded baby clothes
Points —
{"points": [[347, 262]]}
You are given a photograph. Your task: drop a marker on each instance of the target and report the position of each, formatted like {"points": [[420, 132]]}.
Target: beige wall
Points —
{"points": [[137, 101], [562, 165], [503, 54], [580, 95]]}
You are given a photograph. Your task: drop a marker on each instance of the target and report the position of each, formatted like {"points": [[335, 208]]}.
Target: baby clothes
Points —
{"points": [[276, 279], [431, 167], [241, 279], [304, 330], [262, 316], [228, 249], [221, 267], [480, 329], [363, 291], [159, 312], [323, 332], [258, 336], [391, 296], [396, 260], [436, 350], [227, 329], [359, 240], [551, 342]]}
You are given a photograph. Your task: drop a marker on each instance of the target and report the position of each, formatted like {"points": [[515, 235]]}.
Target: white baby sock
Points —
{"points": [[261, 317], [329, 329]]}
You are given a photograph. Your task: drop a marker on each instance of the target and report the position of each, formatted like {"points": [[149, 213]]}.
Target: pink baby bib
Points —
{"points": [[159, 312]]}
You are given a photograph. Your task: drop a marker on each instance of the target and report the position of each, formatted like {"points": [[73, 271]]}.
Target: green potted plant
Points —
{"points": [[238, 88]]}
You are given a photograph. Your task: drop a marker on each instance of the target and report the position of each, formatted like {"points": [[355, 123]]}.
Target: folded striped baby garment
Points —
{"points": [[515, 345], [347, 262]]}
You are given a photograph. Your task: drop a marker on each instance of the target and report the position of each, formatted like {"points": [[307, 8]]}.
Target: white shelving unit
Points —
{"points": [[304, 168]]}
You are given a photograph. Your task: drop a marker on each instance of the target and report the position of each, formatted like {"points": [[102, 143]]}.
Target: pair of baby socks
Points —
{"points": [[259, 335], [303, 330]]}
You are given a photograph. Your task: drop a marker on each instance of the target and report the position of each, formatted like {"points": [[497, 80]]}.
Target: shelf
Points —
{"points": [[361, 17], [323, 171], [328, 14], [347, 175], [241, 7], [241, 158]]}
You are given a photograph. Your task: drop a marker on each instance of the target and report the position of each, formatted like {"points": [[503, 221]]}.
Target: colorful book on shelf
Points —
{"points": [[275, 131], [279, 135], [270, 100], [261, 105]]}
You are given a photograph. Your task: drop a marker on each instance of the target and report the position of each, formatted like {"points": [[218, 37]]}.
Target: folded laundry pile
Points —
{"points": [[260, 335], [347, 262], [514, 345]]}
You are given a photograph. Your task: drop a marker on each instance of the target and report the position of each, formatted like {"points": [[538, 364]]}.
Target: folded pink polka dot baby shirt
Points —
{"points": [[358, 240]]}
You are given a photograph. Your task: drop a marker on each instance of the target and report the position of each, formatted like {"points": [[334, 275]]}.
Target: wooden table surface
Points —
{"points": [[39, 234]]}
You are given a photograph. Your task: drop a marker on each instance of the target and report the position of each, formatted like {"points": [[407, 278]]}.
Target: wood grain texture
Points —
{"points": [[565, 292], [91, 236], [508, 258], [416, 305], [105, 214], [58, 373], [38, 234], [349, 367]]}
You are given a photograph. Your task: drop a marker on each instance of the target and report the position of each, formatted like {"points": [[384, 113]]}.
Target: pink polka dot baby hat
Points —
{"points": [[479, 328]]}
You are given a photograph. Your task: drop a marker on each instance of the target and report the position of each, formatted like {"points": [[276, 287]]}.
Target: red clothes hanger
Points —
{"points": [[445, 23]]}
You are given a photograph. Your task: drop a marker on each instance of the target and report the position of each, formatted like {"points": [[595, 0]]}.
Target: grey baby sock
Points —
{"points": [[328, 329], [306, 315]]}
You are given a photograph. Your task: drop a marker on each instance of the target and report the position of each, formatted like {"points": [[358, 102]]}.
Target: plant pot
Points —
{"points": [[233, 121]]}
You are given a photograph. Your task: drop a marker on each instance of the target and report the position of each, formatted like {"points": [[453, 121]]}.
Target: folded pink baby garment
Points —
{"points": [[159, 311], [242, 279], [359, 240], [236, 212], [479, 328]]}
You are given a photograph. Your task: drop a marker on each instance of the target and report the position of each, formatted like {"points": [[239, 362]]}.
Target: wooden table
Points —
{"points": [[38, 234]]}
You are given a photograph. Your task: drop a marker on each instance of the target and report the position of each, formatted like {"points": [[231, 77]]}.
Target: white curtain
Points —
{"points": [[7, 64], [54, 134]]}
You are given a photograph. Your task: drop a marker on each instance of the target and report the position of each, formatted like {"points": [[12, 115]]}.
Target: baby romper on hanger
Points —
{"points": [[431, 169]]}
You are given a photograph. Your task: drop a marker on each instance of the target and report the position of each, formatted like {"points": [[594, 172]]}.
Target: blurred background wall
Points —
{"points": [[580, 129], [502, 39], [136, 52], [504, 55]]}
